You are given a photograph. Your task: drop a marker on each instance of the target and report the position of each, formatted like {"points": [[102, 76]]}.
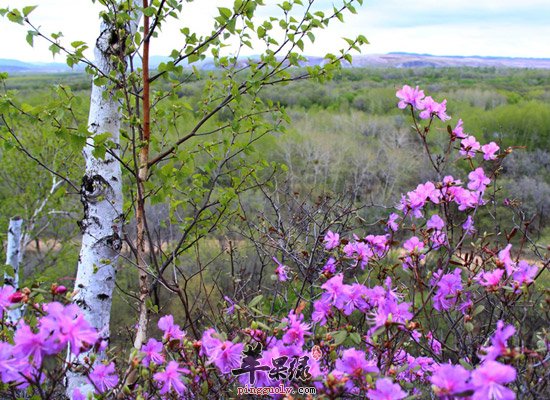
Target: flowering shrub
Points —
{"points": [[426, 306]]}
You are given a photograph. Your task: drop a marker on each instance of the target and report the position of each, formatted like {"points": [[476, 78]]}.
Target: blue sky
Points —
{"points": [[441, 27]]}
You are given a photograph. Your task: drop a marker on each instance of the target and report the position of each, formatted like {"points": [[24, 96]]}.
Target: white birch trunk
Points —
{"points": [[26, 238], [101, 195], [12, 259]]}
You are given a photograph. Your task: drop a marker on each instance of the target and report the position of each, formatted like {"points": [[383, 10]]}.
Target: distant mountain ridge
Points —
{"points": [[406, 60], [390, 60]]}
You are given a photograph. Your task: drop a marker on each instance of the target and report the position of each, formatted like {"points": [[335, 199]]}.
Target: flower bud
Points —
{"points": [[16, 297], [60, 290]]}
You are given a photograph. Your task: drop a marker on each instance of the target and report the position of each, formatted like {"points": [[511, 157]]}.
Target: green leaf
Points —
{"points": [[100, 81], [8, 270], [149, 11], [15, 16], [225, 12], [465, 364], [78, 142], [29, 9], [255, 300], [355, 338], [77, 43], [479, 309], [30, 37], [55, 49], [137, 38], [339, 337]]}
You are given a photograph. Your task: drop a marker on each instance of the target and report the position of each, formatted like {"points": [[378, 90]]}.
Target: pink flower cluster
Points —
{"points": [[394, 351], [415, 98], [517, 274], [448, 191], [469, 146], [59, 328]]}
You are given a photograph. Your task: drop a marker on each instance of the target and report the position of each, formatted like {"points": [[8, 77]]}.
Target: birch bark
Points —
{"points": [[12, 259], [101, 196]]}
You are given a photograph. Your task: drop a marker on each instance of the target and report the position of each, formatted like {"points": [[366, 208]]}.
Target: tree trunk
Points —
{"points": [[101, 196], [12, 259], [143, 172]]}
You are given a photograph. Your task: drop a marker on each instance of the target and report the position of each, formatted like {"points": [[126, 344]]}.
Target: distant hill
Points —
{"points": [[21, 67], [411, 60], [392, 60]]}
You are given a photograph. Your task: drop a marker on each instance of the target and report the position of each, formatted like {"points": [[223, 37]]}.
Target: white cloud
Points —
{"points": [[456, 27]]}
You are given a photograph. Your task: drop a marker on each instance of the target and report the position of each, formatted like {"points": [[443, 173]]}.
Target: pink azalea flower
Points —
{"points": [[435, 222], [390, 310], [295, 330], [334, 290], [469, 146], [378, 244], [458, 131], [331, 240], [386, 390], [468, 226], [450, 379], [490, 278], [354, 298], [448, 287], [505, 257], [438, 239], [434, 343], [499, 342], [171, 331], [104, 377], [354, 363], [152, 351], [10, 367], [226, 356], [415, 335], [410, 96], [170, 379], [281, 273], [321, 310], [6, 293], [464, 198], [525, 273], [413, 245], [478, 180], [413, 202], [431, 107], [66, 324], [330, 266], [209, 342], [358, 251], [29, 344], [488, 381], [466, 305], [489, 151], [428, 191], [394, 226]]}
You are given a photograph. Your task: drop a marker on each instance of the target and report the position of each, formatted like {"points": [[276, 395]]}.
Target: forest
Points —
{"points": [[245, 197]]}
